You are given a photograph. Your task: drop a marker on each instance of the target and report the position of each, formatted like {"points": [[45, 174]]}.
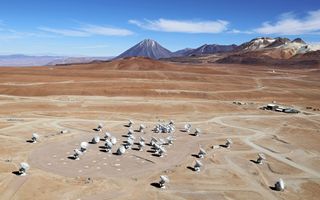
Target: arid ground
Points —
{"points": [[47, 100]]}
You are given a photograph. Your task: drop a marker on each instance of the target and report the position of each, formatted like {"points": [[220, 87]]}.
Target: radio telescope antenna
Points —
{"points": [[84, 146], [130, 131], [99, 127], [113, 140], [107, 135], [197, 132], [77, 154], [261, 158], [129, 143], [130, 123], [141, 128], [24, 167], [153, 141], [108, 145], [121, 150], [35, 137], [228, 143], [95, 139], [171, 122], [170, 140], [141, 145], [163, 181], [279, 185], [187, 128], [202, 153], [161, 151], [197, 166]]}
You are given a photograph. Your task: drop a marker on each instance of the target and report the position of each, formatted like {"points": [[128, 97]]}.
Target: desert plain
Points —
{"points": [[77, 98]]}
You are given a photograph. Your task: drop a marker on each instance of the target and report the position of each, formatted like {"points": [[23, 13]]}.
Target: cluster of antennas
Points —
{"points": [[165, 128], [110, 141], [79, 152], [158, 145]]}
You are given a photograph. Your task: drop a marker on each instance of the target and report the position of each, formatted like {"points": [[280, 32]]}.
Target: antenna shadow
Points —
{"points": [[191, 168], [254, 161], [195, 155], [29, 141], [17, 173], [223, 145], [156, 185], [71, 157]]}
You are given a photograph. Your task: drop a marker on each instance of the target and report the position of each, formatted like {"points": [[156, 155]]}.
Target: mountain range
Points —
{"points": [[255, 51]]}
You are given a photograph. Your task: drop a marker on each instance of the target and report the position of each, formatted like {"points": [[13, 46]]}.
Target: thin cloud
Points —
{"points": [[236, 31], [65, 32], [289, 24], [88, 30], [182, 26]]}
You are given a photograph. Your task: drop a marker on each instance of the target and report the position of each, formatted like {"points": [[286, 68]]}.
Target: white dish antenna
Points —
{"points": [[228, 143], [77, 154], [84, 146], [142, 139], [202, 153], [141, 145], [129, 143], [132, 137], [24, 167], [279, 186], [163, 181], [121, 150], [130, 132], [161, 151], [170, 140], [153, 141], [100, 126], [113, 140], [197, 132], [141, 128], [187, 127], [162, 141], [35, 137], [197, 166], [107, 135], [130, 123], [261, 158], [108, 145], [95, 139]]}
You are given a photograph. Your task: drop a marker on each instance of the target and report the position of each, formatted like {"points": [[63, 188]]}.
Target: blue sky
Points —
{"points": [[107, 27]]}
